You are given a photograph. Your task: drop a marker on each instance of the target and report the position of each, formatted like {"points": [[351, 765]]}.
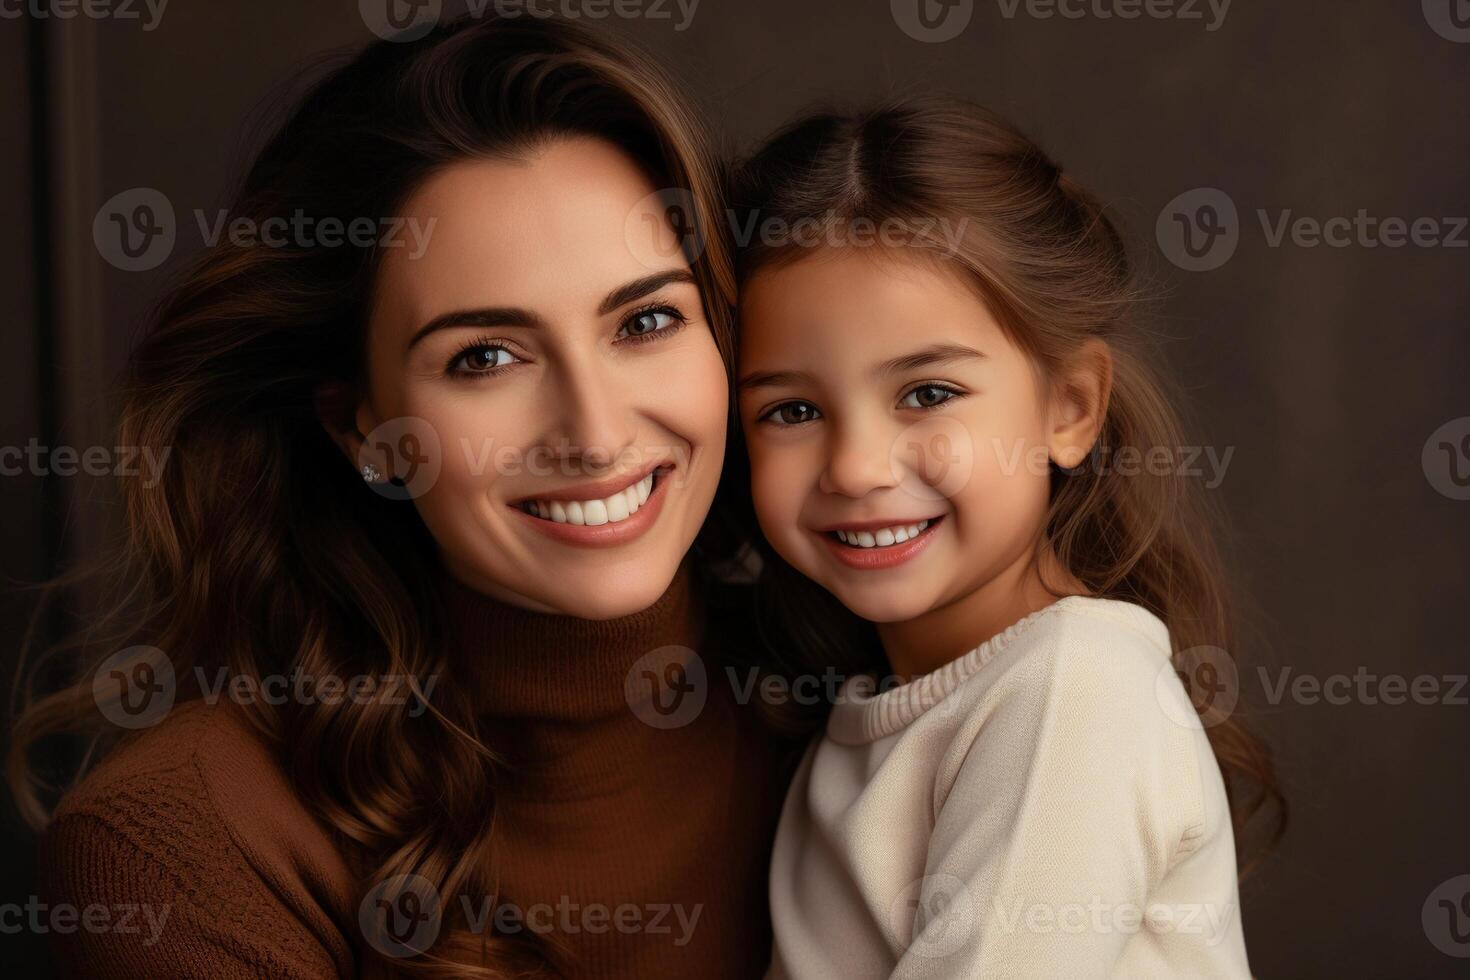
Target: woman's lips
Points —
{"points": [[610, 532], [880, 556]]}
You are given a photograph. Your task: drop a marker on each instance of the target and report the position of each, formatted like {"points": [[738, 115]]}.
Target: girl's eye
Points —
{"points": [[791, 413], [481, 359], [928, 396], [648, 322]]}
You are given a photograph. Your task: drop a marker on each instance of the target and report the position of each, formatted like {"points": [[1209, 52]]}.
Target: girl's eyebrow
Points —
{"points": [[924, 357], [933, 354], [775, 379]]}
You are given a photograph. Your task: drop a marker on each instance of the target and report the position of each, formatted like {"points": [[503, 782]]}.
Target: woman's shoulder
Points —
{"points": [[195, 819], [203, 762]]}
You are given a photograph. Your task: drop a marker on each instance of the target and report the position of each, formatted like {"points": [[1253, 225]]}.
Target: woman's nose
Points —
{"points": [[595, 417]]}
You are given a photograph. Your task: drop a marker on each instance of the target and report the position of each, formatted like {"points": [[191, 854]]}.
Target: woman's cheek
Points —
{"points": [[690, 398], [470, 440]]}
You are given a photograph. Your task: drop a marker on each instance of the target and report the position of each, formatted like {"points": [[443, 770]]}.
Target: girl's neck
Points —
{"points": [[924, 644]]}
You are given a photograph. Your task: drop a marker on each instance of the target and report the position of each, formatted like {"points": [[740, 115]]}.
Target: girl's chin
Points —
{"points": [[878, 604]]}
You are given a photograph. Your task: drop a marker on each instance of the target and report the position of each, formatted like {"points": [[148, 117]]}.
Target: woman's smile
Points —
{"points": [[608, 512]]}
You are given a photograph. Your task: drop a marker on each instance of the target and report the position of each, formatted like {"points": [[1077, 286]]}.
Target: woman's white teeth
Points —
{"points": [[609, 510], [883, 537]]}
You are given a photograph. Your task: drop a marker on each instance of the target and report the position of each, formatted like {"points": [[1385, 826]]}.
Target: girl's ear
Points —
{"points": [[1079, 403], [346, 418]]}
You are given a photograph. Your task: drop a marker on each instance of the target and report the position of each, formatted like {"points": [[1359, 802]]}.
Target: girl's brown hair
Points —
{"points": [[1053, 269], [261, 550]]}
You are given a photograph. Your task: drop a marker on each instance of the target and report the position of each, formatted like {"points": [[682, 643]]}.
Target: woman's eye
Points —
{"points": [[478, 360], [791, 413], [649, 322], [927, 396]]}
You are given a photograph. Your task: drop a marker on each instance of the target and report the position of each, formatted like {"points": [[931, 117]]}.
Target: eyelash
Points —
{"points": [[486, 344], [769, 414]]}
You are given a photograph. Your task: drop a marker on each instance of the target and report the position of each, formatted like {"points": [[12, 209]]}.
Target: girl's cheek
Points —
{"points": [[1005, 499], [777, 483]]}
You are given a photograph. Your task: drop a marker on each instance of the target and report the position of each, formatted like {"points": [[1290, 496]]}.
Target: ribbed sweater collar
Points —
{"points": [[533, 666], [862, 714]]}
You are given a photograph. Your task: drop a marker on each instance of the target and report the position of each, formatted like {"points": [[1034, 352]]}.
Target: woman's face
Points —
{"points": [[551, 340]]}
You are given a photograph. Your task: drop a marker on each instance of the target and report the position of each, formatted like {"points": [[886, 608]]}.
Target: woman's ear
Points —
{"points": [[346, 418], [1079, 403]]}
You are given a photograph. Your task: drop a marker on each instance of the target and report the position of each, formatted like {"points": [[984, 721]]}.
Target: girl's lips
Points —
{"points": [[879, 557], [607, 535]]}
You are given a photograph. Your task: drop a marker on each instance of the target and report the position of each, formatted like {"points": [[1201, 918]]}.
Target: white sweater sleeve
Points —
{"points": [[1072, 791]]}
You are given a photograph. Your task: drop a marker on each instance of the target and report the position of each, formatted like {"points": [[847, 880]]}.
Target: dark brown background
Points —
{"points": [[1325, 369]]}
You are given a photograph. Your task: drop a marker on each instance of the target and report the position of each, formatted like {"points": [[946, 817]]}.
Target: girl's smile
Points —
{"points": [[880, 544]]}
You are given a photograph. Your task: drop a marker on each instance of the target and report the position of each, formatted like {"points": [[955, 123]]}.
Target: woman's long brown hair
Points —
{"points": [[261, 550], [1053, 268]]}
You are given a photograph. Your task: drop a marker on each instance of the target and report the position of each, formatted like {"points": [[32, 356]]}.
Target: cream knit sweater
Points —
{"points": [[1045, 806]]}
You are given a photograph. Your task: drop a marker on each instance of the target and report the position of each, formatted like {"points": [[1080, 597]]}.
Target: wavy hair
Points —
{"points": [[261, 551]]}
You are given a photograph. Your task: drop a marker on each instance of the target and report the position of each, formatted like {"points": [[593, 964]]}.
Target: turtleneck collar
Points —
{"points": [[528, 665]]}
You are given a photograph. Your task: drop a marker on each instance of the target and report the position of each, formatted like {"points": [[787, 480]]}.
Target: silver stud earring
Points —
{"points": [[371, 473]]}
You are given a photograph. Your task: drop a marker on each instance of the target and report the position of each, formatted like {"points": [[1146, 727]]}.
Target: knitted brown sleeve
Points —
{"points": [[169, 892]]}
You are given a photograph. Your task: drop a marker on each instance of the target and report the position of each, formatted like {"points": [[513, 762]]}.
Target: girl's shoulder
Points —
{"points": [[1087, 665], [1081, 659], [1107, 646]]}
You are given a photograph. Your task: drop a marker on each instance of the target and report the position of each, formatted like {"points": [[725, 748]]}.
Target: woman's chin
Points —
{"points": [[604, 599]]}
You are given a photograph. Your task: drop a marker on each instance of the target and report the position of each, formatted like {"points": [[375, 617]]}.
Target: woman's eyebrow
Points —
{"points": [[924, 357], [491, 316], [639, 288], [514, 316]]}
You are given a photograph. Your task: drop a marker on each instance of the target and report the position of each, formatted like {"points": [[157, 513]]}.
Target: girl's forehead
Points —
{"points": [[847, 303]]}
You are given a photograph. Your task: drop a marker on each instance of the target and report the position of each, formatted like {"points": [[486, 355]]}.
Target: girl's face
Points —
{"points": [[548, 357], [898, 439]]}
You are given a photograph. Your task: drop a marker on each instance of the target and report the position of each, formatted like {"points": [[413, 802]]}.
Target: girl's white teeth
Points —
{"points": [[609, 510], [883, 537]]}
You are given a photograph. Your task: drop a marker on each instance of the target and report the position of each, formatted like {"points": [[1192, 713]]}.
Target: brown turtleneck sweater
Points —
{"points": [[640, 849]]}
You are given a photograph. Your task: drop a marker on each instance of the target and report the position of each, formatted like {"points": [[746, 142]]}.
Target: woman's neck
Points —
{"points": [[526, 664], [924, 644]]}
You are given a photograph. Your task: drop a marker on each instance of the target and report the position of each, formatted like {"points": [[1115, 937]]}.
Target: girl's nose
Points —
{"points": [[858, 461]]}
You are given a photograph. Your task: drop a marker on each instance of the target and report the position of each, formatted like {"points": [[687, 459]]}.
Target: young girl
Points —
{"points": [[950, 432]]}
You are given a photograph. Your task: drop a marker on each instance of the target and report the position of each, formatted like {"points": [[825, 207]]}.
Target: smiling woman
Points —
{"points": [[537, 399], [533, 334]]}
